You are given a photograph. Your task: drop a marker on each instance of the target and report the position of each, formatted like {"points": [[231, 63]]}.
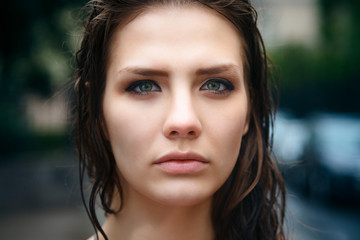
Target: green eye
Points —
{"points": [[146, 87], [143, 87], [217, 85], [213, 86]]}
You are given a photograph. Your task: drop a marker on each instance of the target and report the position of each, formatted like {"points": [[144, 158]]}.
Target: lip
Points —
{"points": [[182, 163]]}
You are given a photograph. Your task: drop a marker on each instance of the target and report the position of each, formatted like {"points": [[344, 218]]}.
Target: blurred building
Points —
{"points": [[47, 114], [288, 21]]}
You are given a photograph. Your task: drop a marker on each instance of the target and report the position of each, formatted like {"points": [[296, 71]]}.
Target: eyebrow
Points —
{"points": [[148, 72], [217, 69]]}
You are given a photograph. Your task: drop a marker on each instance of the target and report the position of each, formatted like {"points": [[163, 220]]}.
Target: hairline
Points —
{"points": [[175, 4]]}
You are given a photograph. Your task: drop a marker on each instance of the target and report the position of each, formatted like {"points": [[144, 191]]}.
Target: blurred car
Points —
{"points": [[290, 138], [329, 166]]}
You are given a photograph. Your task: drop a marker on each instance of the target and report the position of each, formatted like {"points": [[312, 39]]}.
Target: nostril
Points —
{"points": [[177, 133], [172, 133]]}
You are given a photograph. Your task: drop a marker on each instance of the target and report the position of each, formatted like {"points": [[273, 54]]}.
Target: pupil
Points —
{"points": [[145, 87], [213, 86]]}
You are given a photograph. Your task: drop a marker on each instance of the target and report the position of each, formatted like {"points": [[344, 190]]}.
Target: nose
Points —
{"points": [[182, 121]]}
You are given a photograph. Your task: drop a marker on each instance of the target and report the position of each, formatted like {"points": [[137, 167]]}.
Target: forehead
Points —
{"points": [[182, 32]]}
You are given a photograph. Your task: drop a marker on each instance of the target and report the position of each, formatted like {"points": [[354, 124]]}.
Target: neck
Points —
{"points": [[141, 219]]}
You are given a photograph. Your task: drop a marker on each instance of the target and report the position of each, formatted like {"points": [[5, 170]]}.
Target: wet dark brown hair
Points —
{"points": [[250, 204]]}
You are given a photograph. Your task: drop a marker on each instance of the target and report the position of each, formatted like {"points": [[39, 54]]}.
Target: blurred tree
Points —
{"points": [[325, 77], [32, 32]]}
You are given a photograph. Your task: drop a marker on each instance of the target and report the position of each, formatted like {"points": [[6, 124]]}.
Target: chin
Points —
{"points": [[185, 197], [184, 201]]}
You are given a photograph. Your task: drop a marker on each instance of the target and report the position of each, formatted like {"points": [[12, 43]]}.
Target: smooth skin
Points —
{"points": [[175, 84]]}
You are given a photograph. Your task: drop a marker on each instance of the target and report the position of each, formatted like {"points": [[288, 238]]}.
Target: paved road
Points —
{"points": [[315, 221]]}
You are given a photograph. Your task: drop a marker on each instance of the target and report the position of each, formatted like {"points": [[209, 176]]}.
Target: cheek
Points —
{"points": [[128, 129], [119, 123], [229, 123], [226, 127]]}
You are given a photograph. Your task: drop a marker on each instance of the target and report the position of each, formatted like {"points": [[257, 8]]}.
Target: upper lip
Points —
{"points": [[178, 156]]}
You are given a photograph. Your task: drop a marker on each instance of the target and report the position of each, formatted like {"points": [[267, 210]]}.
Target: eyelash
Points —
{"points": [[227, 85]]}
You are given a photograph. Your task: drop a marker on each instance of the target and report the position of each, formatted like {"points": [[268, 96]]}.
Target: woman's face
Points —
{"points": [[175, 104]]}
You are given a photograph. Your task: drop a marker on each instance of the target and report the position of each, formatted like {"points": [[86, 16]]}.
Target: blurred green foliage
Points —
{"points": [[36, 49], [324, 77]]}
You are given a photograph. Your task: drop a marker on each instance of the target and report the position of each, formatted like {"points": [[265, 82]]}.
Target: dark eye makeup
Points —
{"points": [[213, 85], [217, 85]]}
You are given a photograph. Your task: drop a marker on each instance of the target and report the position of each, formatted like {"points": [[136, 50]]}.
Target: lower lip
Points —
{"points": [[182, 166]]}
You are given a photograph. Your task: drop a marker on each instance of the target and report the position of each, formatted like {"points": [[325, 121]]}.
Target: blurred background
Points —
{"points": [[314, 45]]}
